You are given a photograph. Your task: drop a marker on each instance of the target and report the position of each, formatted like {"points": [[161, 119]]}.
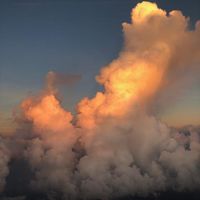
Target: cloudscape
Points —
{"points": [[114, 144]]}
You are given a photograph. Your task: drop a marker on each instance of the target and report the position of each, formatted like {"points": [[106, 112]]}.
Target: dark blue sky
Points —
{"points": [[71, 36]]}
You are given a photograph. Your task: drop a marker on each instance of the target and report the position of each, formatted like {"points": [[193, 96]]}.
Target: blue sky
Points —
{"points": [[75, 37]]}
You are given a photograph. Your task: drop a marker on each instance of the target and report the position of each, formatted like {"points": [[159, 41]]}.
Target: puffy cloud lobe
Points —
{"points": [[50, 153]]}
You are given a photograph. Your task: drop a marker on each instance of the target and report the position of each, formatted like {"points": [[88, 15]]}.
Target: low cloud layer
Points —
{"points": [[4, 160], [114, 146]]}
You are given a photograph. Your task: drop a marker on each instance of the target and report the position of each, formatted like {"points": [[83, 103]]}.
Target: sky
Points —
{"points": [[76, 37]]}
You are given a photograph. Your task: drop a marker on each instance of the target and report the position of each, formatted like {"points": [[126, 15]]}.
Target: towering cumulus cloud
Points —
{"points": [[114, 146], [50, 152]]}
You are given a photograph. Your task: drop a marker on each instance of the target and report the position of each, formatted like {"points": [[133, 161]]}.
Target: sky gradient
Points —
{"points": [[74, 37]]}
